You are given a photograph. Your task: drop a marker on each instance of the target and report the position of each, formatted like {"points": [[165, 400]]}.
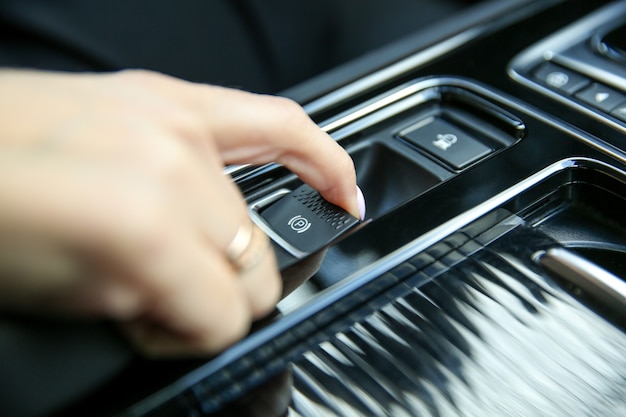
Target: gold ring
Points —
{"points": [[248, 247]]}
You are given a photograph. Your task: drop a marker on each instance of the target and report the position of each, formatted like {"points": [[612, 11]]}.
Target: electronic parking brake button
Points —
{"points": [[305, 221], [447, 142]]}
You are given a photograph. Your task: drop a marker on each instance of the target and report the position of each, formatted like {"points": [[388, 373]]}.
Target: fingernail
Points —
{"points": [[360, 202]]}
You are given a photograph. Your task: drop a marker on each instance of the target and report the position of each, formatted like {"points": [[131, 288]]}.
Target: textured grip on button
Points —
{"points": [[326, 211]]}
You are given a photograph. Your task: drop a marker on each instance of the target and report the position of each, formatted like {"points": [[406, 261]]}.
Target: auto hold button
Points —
{"points": [[447, 142]]}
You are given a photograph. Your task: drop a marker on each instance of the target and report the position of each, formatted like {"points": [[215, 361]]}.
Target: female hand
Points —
{"points": [[113, 202]]}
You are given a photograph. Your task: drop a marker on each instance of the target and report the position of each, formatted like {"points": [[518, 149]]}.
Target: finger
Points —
{"points": [[214, 208], [194, 179], [257, 129], [251, 256], [194, 303], [278, 130], [252, 128], [199, 302]]}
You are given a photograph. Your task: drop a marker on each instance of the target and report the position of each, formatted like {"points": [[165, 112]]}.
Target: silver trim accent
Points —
{"points": [[395, 70], [585, 274], [371, 106], [416, 92], [232, 169], [492, 14]]}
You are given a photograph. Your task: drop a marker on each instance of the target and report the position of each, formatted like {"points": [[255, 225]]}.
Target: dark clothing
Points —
{"points": [[259, 45]]}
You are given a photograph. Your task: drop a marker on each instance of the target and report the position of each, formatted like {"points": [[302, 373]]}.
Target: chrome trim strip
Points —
{"points": [[421, 91], [499, 13], [370, 107], [415, 92], [395, 70], [585, 274]]}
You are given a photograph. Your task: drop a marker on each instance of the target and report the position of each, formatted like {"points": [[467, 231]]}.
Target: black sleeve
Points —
{"points": [[259, 45]]}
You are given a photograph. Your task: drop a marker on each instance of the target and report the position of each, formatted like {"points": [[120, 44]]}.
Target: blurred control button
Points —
{"points": [[601, 97], [560, 78], [620, 111]]}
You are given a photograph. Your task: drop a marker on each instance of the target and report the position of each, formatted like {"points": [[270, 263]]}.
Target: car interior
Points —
{"points": [[487, 278]]}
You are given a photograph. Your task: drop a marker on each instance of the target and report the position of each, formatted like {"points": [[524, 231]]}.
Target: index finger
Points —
{"points": [[257, 129]]}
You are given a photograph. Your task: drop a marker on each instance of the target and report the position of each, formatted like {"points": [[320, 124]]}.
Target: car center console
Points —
{"points": [[488, 275]]}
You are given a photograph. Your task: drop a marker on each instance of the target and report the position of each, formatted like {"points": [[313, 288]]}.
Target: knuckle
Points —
{"points": [[170, 160], [146, 222], [264, 287], [142, 75], [187, 125], [289, 108], [232, 325]]}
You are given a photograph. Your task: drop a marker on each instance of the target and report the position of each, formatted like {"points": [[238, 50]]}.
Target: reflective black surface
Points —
{"points": [[489, 336]]}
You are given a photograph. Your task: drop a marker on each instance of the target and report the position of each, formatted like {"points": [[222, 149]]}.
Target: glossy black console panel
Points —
{"points": [[389, 178], [437, 129], [584, 214], [485, 334], [451, 319]]}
